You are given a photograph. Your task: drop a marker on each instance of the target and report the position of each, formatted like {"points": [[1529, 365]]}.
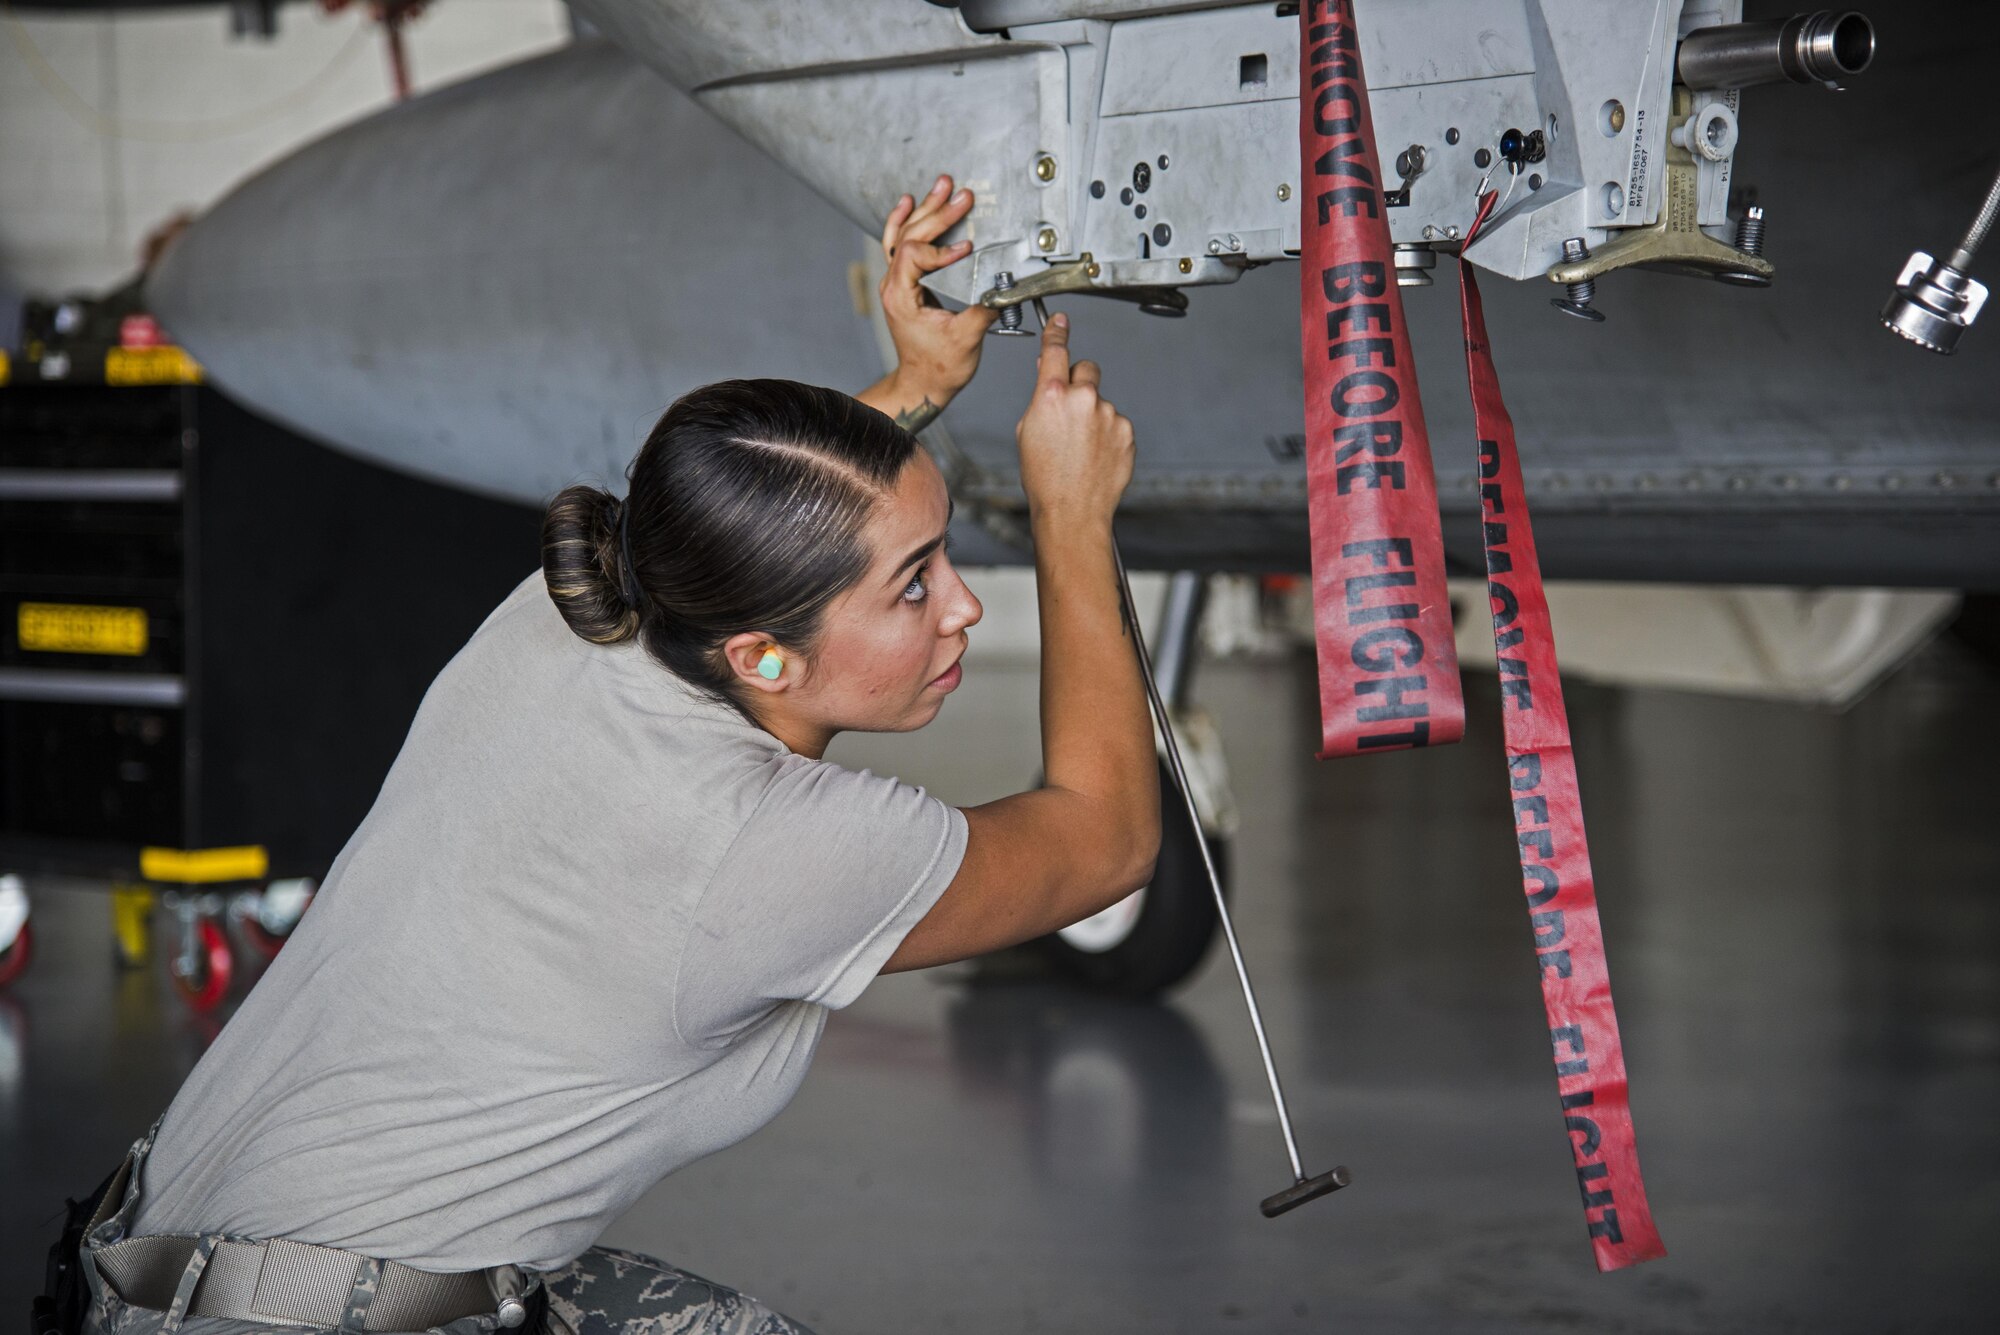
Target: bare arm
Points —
{"points": [[912, 410], [1088, 837]]}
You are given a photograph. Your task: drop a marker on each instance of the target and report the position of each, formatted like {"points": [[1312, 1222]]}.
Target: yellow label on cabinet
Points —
{"points": [[70, 628], [6, 367], [165, 365], [200, 866]]}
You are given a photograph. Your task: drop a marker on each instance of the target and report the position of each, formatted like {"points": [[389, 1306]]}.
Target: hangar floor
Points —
{"points": [[1805, 935]]}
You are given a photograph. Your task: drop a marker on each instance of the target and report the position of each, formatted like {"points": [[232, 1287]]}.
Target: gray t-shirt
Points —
{"points": [[589, 933]]}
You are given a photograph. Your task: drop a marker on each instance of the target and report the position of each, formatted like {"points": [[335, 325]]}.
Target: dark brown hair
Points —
{"points": [[745, 509]]}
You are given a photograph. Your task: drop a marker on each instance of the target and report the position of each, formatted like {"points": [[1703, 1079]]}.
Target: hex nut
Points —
{"points": [[1284, 192], [1187, 265], [1045, 239], [1045, 168]]}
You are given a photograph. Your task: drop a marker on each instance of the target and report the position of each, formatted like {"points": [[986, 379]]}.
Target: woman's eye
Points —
{"points": [[917, 592]]}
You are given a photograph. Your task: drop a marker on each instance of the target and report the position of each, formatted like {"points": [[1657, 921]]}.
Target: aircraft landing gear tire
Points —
{"points": [[1141, 946]]}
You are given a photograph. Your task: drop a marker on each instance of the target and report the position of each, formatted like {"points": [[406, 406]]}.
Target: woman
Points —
{"points": [[593, 925]]}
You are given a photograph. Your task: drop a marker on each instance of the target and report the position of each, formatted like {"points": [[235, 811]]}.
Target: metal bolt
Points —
{"points": [[1045, 239], [1535, 181], [1163, 162], [1750, 230], [1091, 269], [1045, 168], [1125, 195], [1581, 294], [1483, 158], [1749, 240], [1284, 192], [1162, 234], [1214, 246], [1139, 212], [1451, 135], [1009, 321], [1187, 265], [1097, 190]]}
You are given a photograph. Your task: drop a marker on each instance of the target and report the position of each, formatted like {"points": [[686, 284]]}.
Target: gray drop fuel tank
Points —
{"points": [[503, 283]]}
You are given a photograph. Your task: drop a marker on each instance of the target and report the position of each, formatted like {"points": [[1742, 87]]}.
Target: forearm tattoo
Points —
{"points": [[916, 419]]}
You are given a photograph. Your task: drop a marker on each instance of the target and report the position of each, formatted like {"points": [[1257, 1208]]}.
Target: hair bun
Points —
{"points": [[584, 565]]}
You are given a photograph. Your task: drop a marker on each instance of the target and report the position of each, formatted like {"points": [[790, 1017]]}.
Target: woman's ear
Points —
{"points": [[759, 663]]}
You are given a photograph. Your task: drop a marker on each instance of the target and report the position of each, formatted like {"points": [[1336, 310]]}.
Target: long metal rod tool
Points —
{"points": [[1303, 1189]]}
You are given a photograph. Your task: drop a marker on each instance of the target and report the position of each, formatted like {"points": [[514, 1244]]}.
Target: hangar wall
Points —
{"points": [[111, 124]]}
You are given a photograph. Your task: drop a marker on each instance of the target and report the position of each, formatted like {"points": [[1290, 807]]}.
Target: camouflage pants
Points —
{"points": [[608, 1292], [602, 1292]]}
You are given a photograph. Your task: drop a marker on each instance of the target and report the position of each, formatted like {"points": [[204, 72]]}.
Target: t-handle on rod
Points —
{"points": [[1303, 1188]]}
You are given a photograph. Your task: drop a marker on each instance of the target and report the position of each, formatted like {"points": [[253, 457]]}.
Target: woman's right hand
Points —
{"points": [[1076, 449]]}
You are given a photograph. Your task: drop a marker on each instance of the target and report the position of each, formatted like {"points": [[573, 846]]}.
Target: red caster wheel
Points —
{"points": [[202, 968], [14, 959]]}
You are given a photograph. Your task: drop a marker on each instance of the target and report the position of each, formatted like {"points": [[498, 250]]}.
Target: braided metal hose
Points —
{"points": [[1961, 259]]}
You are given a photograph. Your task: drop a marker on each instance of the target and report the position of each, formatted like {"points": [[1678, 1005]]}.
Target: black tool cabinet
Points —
{"points": [[295, 603]]}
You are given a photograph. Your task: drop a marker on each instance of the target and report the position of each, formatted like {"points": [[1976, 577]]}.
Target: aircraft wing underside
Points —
{"points": [[502, 283]]}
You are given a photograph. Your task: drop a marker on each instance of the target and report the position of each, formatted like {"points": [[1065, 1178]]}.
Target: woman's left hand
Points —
{"points": [[937, 350]]}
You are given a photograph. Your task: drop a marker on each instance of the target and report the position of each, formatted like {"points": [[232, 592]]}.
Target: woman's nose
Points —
{"points": [[965, 612]]}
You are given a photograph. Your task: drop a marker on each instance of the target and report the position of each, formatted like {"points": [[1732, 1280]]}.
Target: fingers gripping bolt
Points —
{"points": [[1303, 1188], [1009, 321]]}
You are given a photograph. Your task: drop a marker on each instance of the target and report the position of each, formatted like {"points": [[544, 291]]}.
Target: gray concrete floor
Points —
{"points": [[1803, 915]]}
